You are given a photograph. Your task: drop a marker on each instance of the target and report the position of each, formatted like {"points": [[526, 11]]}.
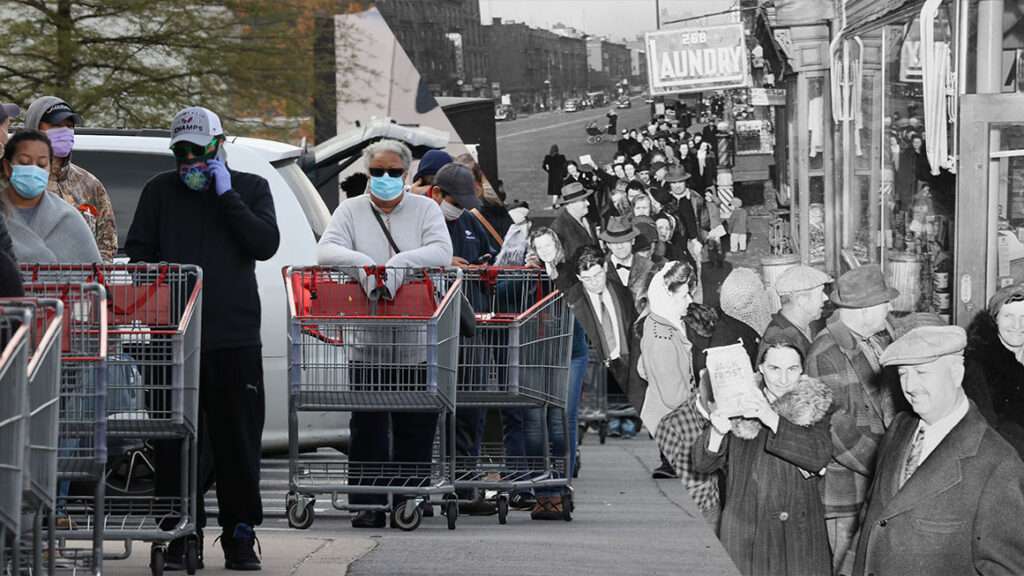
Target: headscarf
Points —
{"points": [[744, 297], [659, 300]]}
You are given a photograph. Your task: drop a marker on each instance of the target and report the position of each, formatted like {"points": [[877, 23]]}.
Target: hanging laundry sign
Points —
{"points": [[696, 59]]}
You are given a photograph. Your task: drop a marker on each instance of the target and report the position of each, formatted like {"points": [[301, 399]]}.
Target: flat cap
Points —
{"points": [[799, 279], [925, 344]]}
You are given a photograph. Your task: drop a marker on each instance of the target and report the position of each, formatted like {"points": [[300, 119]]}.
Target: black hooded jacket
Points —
{"points": [[225, 235]]}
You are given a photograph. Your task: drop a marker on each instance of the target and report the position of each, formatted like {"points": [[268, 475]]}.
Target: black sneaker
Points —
{"points": [[369, 519], [239, 552], [664, 472]]}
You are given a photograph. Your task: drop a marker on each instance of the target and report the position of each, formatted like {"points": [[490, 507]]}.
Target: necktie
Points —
{"points": [[914, 457], [608, 327]]}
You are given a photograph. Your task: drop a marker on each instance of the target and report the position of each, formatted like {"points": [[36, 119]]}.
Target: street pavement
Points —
{"points": [[523, 143], [625, 523]]}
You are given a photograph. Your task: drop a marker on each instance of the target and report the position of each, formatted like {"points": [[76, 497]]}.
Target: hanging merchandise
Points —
{"points": [[935, 64]]}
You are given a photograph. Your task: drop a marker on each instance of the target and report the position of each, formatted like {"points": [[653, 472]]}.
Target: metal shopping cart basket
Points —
{"points": [[150, 337], [350, 352], [14, 417], [597, 406], [518, 358], [43, 396]]}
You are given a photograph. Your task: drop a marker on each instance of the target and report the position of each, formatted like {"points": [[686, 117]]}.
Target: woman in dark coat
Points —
{"points": [[994, 373], [554, 165], [773, 523]]}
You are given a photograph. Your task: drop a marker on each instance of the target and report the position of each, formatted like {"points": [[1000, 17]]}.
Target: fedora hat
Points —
{"points": [[618, 230], [572, 192], [862, 288], [677, 174]]}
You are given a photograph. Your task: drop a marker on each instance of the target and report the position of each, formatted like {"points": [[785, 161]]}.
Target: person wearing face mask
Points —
{"points": [[43, 229], [571, 224], [76, 185], [10, 277], [392, 228], [431, 162], [994, 362], [454, 192], [8, 112], [773, 454], [207, 214], [845, 356]]}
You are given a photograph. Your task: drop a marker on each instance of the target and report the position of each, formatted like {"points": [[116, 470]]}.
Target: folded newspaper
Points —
{"points": [[732, 377]]}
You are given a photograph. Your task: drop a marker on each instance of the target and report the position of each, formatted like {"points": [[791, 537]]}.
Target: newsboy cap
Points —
{"points": [[925, 344], [799, 279]]}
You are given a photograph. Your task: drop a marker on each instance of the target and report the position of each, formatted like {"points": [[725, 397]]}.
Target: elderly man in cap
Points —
{"points": [[802, 292], [206, 213], [429, 165], [76, 185], [948, 495], [571, 224], [845, 355], [624, 267]]}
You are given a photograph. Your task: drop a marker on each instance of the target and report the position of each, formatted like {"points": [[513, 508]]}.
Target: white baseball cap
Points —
{"points": [[196, 125]]}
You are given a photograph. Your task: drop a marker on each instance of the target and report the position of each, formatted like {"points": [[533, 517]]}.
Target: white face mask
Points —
{"points": [[451, 211], [518, 215]]}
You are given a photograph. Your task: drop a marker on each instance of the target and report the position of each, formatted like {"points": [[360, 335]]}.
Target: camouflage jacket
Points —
{"points": [[85, 192]]}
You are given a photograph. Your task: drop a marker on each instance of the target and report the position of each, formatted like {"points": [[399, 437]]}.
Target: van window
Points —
{"points": [[124, 174]]}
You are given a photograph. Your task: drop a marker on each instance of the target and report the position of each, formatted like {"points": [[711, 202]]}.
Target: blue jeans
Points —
{"points": [[534, 433]]}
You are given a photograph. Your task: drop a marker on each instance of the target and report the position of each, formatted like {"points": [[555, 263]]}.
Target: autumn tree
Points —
{"points": [[133, 63]]}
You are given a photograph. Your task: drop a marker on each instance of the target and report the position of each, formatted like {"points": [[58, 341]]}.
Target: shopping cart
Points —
{"points": [[43, 377], [148, 333], [14, 417], [597, 406], [350, 352], [518, 358]]}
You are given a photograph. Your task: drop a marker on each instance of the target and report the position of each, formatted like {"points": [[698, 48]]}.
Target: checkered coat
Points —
{"points": [[676, 435], [863, 407]]}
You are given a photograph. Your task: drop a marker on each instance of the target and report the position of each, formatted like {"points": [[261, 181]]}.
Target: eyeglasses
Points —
{"points": [[183, 150], [393, 172]]}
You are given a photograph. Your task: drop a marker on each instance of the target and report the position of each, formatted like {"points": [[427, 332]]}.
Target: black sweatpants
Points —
{"points": [[231, 415], [382, 437]]}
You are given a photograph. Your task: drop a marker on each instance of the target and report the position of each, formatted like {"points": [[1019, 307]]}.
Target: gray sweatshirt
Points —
{"points": [[354, 239]]}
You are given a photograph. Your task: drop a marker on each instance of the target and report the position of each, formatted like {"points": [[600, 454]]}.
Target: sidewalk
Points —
{"points": [[285, 552]]}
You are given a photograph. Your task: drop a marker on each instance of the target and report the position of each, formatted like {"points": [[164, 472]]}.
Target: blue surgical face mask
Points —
{"points": [[386, 187], [29, 181]]}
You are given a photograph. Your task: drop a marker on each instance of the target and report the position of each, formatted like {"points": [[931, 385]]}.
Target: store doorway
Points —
{"points": [[990, 200]]}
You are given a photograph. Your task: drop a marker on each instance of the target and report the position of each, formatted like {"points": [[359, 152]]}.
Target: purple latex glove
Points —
{"points": [[221, 176]]}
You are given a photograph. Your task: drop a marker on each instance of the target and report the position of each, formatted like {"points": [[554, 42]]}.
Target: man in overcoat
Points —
{"points": [[948, 494]]}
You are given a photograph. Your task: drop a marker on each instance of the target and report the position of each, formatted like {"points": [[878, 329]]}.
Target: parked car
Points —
{"points": [[571, 105], [125, 160], [624, 102], [504, 112]]}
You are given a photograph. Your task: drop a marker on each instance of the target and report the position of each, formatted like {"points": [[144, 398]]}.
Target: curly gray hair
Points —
{"points": [[388, 145]]}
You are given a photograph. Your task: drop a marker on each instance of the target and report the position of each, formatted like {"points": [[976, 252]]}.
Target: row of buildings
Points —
{"points": [[530, 68]]}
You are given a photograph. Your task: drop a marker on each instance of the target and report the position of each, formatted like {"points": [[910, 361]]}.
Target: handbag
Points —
{"points": [[467, 316]]}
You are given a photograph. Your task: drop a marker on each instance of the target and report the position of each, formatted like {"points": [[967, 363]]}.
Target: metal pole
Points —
{"points": [[657, 12]]}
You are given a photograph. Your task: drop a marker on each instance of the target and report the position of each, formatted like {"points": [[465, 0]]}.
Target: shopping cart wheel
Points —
{"points": [[502, 509], [452, 512], [300, 513], [567, 507], [191, 555], [156, 560], [602, 432], [408, 516]]}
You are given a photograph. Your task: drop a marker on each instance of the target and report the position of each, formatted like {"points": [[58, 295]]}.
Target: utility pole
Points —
{"points": [[657, 13]]}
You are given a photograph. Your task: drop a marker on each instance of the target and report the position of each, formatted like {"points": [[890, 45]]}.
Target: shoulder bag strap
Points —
{"points": [[384, 229], [490, 229]]}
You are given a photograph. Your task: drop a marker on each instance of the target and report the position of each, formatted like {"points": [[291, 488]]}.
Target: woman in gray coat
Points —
{"points": [[43, 228]]}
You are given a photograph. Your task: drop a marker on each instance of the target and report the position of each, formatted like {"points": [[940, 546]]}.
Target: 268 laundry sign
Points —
{"points": [[696, 59]]}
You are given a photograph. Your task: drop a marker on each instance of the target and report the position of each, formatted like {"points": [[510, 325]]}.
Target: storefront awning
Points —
{"points": [[865, 15]]}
